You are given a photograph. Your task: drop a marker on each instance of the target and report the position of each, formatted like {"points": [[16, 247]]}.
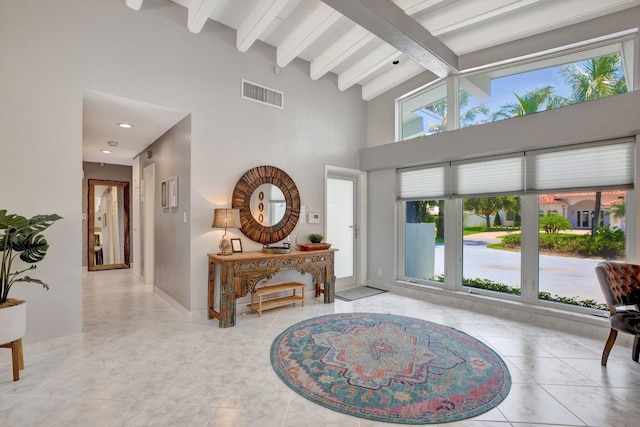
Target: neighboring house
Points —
{"points": [[579, 208]]}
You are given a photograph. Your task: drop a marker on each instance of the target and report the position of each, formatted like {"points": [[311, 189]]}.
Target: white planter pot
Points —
{"points": [[13, 322]]}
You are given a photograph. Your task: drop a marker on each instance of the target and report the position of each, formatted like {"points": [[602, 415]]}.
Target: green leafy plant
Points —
{"points": [[315, 238], [22, 237], [506, 289], [553, 223], [607, 243]]}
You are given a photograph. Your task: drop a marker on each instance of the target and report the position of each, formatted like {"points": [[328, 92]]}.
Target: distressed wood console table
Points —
{"points": [[241, 272]]}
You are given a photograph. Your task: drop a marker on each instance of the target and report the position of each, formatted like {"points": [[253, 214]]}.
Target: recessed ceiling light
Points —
{"points": [[106, 151], [112, 143], [125, 125]]}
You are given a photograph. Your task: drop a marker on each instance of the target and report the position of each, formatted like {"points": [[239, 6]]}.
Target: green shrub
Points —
{"points": [[497, 221], [606, 243], [543, 295], [553, 223]]}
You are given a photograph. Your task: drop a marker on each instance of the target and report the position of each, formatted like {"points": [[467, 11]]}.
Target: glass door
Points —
{"points": [[342, 228]]}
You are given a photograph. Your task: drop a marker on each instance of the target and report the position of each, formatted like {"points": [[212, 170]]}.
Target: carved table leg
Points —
{"points": [[329, 284], [227, 298]]}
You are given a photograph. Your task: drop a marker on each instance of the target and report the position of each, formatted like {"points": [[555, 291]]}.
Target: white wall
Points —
{"points": [[53, 51]]}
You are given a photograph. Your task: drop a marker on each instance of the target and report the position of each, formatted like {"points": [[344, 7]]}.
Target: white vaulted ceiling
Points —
{"points": [[359, 40]]}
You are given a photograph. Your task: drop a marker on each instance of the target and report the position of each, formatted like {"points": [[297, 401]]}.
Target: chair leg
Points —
{"points": [[608, 346], [636, 348]]}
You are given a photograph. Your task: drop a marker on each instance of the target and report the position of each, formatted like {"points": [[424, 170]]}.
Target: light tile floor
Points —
{"points": [[139, 363]]}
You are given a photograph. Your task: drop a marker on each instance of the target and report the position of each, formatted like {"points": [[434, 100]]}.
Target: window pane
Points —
{"points": [[424, 240], [569, 251], [425, 114], [528, 88], [485, 264]]}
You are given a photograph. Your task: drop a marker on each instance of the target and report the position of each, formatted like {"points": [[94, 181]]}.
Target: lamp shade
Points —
{"points": [[226, 218]]}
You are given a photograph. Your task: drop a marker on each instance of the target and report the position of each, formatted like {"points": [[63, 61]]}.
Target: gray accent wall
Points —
{"points": [[171, 155], [53, 51]]}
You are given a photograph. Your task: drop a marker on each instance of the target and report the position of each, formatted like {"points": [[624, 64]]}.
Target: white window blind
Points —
{"points": [[500, 175], [590, 166], [423, 183]]}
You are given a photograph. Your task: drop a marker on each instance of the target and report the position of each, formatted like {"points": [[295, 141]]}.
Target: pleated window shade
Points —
{"points": [[593, 166], [597, 166], [424, 183], [504, 175]]}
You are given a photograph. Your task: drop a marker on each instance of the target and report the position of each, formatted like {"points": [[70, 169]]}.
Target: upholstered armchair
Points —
{"points": [[620, 284]]}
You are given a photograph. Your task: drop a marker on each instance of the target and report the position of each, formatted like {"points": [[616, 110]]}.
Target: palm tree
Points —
{"points": [[468, 118], [531, 102], [593, 79]]}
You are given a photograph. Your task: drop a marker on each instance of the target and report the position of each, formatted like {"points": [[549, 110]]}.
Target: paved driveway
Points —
{"points": [[563, 276]]}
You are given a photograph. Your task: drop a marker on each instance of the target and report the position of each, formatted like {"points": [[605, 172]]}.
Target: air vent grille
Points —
{"points": [[261, 94]]}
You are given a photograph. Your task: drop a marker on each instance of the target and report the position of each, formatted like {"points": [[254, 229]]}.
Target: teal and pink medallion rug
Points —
{"points": [[390, 368]]}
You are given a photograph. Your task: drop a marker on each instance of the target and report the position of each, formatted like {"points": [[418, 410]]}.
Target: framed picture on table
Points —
{"points": [[236, 245]]}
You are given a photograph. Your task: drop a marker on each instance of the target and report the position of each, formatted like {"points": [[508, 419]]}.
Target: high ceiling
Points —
{"points": [[376, 44], [359, 40]]}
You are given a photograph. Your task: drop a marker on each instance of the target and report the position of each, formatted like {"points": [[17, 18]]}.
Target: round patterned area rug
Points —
{"points": [[390, 368]]}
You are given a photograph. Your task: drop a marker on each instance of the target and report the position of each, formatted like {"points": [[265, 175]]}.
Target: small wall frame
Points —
{"points": [[236, 245], [164, 199], [172, 191]]}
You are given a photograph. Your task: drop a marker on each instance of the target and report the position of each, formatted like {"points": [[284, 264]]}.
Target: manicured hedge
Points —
{"points": [[607, 243], [501, 287]]}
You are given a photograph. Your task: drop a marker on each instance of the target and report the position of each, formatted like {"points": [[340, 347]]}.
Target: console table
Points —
{"points": [[241, 272]]}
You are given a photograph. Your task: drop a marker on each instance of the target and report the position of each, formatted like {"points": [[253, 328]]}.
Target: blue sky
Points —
{"points": [[502, 89]]}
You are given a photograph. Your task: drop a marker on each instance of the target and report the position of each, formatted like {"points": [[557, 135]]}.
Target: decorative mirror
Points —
{"points": [[108, 223], [269, 204]]}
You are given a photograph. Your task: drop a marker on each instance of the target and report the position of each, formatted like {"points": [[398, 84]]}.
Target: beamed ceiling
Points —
{"points": [[359, 40]]}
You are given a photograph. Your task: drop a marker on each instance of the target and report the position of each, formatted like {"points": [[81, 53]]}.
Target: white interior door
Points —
{"points": [[344, 219]]}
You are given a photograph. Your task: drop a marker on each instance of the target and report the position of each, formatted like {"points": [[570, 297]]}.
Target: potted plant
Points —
{"points": [[19, 237], [315, 238]]}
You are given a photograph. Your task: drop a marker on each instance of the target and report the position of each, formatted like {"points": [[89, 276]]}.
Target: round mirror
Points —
{"points": [[269, 204]]}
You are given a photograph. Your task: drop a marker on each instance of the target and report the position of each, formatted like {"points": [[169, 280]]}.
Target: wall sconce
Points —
{"points": [[225, 218]]}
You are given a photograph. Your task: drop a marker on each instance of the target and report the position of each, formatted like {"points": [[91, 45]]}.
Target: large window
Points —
{"points": [[519, 89], [534, 224], [572, 243], [486, 221]]}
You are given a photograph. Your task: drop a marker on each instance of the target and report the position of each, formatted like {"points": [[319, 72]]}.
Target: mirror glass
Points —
{"points": [[268, 205], [108, 221]]}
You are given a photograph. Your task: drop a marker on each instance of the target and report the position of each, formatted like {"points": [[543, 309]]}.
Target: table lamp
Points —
{"points": [[226, 218]]}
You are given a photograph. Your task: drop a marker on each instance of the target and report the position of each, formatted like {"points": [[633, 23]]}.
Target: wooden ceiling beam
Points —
{"points": [[308, 31], [257, 21], [198, 14], [389, 22]]}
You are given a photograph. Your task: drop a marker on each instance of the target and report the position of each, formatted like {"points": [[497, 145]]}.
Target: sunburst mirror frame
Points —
{"points": [[241, 200]]}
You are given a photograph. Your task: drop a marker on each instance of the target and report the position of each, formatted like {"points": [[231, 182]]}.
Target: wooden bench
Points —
{"points": [[261, 304]]}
